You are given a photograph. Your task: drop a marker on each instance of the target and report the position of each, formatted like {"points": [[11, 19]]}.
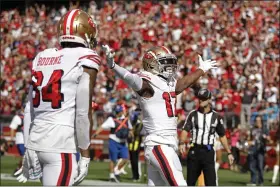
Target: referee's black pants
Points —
{"points": [[200, 158], [134, 158]]}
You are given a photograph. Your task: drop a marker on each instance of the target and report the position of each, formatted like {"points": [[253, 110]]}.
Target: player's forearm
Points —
{"points": [[85, 153], [224, 142], [97, 132], [133, 80], [12, 134], [188, 80], [183, 137]]}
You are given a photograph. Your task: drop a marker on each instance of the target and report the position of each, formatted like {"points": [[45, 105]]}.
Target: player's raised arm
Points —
{"points": [[189, 79], [84, 121], [133, 80]]}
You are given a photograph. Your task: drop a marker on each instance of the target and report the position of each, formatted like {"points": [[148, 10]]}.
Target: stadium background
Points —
{"points": [[242, 36]]}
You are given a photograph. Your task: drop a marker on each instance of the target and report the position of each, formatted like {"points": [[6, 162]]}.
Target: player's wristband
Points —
{"points": [[229, 154]]}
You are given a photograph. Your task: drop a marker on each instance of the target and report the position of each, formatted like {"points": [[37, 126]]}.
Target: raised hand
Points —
{"points": [[207, 64], [109, 55]]}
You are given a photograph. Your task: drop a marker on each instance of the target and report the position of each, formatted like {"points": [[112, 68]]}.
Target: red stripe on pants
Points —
{"points": [[69, 171], [62, 169], [168, 166], [161, 166]]}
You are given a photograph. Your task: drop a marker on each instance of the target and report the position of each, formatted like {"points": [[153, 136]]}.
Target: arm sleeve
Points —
{"points": [[220, 127], [82, 107], [188, 123], [16, 121], [109, 123], [28, 115], [133, 80]]}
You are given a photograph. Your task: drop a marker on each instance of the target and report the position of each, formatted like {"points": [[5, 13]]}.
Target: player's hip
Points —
{"points": [[162, 136], [67, 146]]}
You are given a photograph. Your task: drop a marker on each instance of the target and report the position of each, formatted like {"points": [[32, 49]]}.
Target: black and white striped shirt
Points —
{"points": [[204, 126]]}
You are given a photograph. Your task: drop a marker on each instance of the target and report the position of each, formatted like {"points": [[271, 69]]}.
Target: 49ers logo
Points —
{"points": [[91, 22], [148, 56]]}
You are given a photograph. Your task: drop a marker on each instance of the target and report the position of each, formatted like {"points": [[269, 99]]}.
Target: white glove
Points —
{"points": [[23, 172], [109, 55], [207, 64], [82, 170]]}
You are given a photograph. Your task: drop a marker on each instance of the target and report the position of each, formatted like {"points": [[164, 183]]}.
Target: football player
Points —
{"points": [[156, 88], [60, 104]]}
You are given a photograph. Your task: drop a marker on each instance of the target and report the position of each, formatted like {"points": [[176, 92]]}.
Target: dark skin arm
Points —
{"points": [[187, 81], [92, 73]]}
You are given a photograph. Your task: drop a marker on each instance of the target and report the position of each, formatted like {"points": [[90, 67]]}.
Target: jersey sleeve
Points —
{"points": [[109, 123], [16, 121], [220, 127], [90, 59]]}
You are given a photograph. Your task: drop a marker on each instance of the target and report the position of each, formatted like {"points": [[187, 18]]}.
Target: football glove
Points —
{"points": [[109, 56], [207, 64], [23, 172], [82, 170]]}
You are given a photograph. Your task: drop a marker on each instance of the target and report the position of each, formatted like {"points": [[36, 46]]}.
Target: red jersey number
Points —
{"points": [[166, 97], [51, 92]]}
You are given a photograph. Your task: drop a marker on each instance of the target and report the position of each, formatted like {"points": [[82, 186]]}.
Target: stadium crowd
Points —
{"points": [[242, 36]]}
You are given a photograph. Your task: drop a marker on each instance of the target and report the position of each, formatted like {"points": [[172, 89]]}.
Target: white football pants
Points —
{"points": [[59, 169], [164, 166]]}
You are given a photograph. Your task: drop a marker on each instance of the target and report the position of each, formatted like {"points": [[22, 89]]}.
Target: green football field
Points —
{"points": [[99, 171]]}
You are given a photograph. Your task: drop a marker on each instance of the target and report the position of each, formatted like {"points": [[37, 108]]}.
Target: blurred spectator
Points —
{"points": [[248, 98], [257, 142], [234, 139]]}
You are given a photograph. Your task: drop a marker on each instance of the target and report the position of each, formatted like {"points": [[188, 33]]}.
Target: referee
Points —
{"points": [[203, 124]]}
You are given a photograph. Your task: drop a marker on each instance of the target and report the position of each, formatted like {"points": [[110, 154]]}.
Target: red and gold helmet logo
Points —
{"points": [[148, 56]]}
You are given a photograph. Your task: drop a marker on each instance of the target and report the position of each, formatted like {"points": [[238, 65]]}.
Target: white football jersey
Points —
{"points": [[55, 77], [159, 112]]}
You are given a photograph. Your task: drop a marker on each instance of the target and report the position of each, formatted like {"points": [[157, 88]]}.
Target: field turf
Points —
{"points": [[100, 171]]}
